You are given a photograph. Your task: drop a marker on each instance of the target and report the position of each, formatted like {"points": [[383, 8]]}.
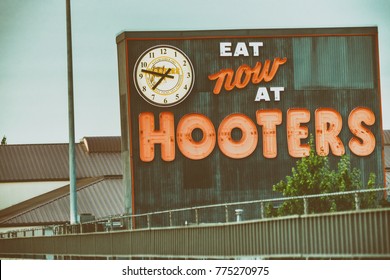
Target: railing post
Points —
{"points": [[305, 206], [110, 223], [196, 216], [357, 202], [148, 220], [262, 213], [132, 221], [226, 213], [170, 218]]}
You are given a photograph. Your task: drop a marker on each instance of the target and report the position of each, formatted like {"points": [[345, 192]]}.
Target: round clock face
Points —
{"points": [[164, 75]]}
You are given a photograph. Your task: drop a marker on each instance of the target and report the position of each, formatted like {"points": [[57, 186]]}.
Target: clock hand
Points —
{"points": [[157, 73], [165, 75]]}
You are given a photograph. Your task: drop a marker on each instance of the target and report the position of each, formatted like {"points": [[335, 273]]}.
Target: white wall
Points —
{"points": [[13, 193]]}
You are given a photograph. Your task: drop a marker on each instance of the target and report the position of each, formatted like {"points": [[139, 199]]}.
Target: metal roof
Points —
{"points": [[99, 180], [95, 156], [387, 156], [107, 144], [386, 143], [100, 197], [386, 137]]}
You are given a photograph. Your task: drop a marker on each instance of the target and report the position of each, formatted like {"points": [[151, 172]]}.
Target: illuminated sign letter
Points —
{"points": [[187, 145], [328, 126], [265, 74], [295, 132], [148, 137], [269, 119], [244, 146], [224, 78], [366, 145]]}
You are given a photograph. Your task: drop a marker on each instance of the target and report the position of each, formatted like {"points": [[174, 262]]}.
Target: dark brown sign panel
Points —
{"points": [[220, 116]]}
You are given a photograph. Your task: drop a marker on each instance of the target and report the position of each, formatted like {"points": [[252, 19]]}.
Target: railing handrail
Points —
{"points": [[244, 202]]}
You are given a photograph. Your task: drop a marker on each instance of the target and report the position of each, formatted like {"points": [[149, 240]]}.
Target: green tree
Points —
{"points": [[344, 179], [313, 175], [4, 140]]}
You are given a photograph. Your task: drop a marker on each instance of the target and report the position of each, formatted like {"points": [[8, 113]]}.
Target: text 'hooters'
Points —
{"points": [[328, 125]]}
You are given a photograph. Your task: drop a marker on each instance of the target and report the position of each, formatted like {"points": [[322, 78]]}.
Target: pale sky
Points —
{"points": [[33, 73]]}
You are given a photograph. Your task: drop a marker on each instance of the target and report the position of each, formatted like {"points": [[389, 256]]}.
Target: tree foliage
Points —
{"points": [[313, 175]]}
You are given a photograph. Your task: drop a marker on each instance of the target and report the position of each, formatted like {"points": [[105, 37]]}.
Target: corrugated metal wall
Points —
{"points": [[334, 68], [362, 234]]}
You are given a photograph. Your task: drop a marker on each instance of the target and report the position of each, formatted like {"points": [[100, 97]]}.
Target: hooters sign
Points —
{"points": [[220, 116]]}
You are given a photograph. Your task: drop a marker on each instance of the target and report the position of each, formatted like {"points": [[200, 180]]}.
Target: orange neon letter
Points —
{"points": [[243, 69], [366, 145], [187, 145], [328, 126], [244, 74], [265, 74], [295, 132], [269, 119], [248, 142], [148, 137], [224, 75]]}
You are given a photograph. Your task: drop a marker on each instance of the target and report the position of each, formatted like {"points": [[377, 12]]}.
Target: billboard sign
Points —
{"points": [[220, 116]]}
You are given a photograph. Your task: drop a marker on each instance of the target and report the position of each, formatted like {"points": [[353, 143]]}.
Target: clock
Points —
{"points": [[164, 75]]}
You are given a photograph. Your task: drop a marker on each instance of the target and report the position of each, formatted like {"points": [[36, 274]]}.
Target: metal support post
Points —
{"points": [[262, 210], [226, 213], [72, 157], [305, 206], [148, 220], [196, 216], [357, 202]]}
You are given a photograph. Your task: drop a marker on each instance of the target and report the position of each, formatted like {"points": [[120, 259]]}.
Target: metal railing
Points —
{"points": [[342, 235], [190, 216]]}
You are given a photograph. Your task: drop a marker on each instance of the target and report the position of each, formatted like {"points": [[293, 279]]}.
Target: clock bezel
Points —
{"points": [[158, 104]]}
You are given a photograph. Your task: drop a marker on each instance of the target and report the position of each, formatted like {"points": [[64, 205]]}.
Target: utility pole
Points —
{"points": [[72, 156]]}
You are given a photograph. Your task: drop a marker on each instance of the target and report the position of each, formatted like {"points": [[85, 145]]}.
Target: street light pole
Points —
{"points": [[72, 156]]}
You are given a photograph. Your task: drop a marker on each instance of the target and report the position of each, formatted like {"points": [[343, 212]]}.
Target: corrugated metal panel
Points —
{"points": [[107, 144], [33, 162], [97, 164], [333, 62], [101, 199], [386, 137], [50, 162], [387, 156]]}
